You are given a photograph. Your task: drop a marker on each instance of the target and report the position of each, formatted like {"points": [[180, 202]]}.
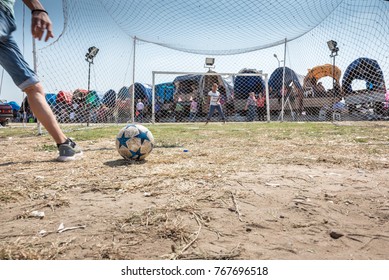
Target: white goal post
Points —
{"points": [[264, 76]]}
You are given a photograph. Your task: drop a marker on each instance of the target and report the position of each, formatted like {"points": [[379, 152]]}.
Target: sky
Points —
{"points": [[360, 27]]}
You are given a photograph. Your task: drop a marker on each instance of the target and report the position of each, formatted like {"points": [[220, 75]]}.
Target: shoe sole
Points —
{"points": [[72, 158]]}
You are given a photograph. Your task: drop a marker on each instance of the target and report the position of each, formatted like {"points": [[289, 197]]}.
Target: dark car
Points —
{"points": [[5, 113]]}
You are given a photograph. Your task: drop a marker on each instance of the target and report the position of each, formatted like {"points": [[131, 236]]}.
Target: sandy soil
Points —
{"points": [[232, 199]]}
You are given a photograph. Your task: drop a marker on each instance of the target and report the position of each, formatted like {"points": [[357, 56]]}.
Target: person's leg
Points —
{"points": [[36, 98], [40, 108], [248, 114], [211, 111], [220, 110], [255, 115], [13, 62], [263, 113]]}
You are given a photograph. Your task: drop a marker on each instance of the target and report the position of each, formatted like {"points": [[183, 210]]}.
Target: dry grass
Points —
{"points": [[243, 191]]}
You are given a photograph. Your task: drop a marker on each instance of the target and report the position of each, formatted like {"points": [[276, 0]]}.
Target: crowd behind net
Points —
{"points": [[283, 45]]}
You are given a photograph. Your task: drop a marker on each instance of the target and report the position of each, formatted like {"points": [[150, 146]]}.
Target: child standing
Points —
{"points": [[193, 110], [250, 107], [261, 108]]}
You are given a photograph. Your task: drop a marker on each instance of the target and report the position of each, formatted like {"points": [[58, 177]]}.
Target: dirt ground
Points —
{"points": [[248, 197]]}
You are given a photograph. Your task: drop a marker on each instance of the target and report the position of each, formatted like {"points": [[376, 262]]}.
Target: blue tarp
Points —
{"points": [[15, 106], [243, 85], [51, 99], [141, 91], [109, 98], [276, 78], [366, 69], [164, 92]]}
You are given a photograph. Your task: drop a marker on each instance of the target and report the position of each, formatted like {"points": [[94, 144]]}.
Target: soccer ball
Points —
{"points": [[134, 142]]}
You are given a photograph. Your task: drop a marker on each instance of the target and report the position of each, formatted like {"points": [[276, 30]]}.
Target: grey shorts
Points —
{"points": [[11, 59]]}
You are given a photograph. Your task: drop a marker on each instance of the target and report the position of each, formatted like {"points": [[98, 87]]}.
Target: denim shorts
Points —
{"points": [[11, 59]]}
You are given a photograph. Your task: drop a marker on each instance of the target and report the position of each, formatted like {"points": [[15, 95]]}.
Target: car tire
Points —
{"points": [[4, 123]]}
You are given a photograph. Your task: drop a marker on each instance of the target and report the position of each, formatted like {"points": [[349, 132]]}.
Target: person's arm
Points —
{"points": [[40, 21], [218, 98]]}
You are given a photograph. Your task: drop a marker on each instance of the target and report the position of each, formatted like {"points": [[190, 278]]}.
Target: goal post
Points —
{"points": [[188, 86]]}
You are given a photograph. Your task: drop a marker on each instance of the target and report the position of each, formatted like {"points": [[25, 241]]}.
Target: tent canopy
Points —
{"points": [[187, 85], [186, 78], [80, 94], [64, 97], [243, 85], [364, 69], [51, 99], [141, 91], [322, 71], [199, 85], [109, 98], [123, 93], [276, 79], [164, 92], [93, 99], [15, 106]]}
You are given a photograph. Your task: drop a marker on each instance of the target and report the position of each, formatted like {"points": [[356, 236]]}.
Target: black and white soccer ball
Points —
{"points": [[134, 142]]}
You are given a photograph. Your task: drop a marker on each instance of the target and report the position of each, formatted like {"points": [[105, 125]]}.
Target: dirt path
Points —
{"points": [[283, 201]]}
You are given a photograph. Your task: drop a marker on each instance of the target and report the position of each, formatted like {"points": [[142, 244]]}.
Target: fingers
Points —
{"points": [[40, 24], [37, 29], [49, 33]]}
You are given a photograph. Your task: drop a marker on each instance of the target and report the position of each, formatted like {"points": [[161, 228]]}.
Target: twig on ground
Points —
{"points": [[235, 252], [240, 183], [175, 256], [236, 207]]}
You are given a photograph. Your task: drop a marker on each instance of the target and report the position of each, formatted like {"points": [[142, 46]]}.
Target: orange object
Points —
{"points": [[321, 71]]}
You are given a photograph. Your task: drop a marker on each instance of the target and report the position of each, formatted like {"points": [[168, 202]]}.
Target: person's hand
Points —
{"points": [[41, 23]]}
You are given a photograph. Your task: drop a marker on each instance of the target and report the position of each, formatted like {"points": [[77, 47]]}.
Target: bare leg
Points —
{"points": [[40, 108]]}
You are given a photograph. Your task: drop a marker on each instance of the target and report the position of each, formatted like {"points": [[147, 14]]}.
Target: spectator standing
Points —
{"points": [[178, 110], [139, 110], [261, 107], [251, 107], [193, 109], [214, 103]]}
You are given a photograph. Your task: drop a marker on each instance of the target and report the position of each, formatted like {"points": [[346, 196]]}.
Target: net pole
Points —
{"points": [[267, 98], [35, 62], [153, 100], [86, 105], [24, 107], [133, 84], [1, 83], [283, 85], [333, 79]]}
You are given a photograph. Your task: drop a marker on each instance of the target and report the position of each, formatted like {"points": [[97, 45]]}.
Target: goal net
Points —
{"points": [[327, 60]]}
